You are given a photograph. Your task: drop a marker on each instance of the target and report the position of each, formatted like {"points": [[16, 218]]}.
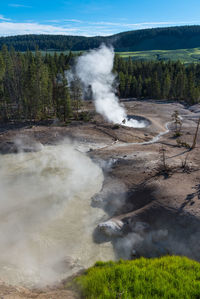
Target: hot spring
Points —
{"points": [[46, 220], [135, 121]]}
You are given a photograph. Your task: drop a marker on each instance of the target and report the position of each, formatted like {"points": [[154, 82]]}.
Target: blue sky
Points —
{"points": [[90, 17]]}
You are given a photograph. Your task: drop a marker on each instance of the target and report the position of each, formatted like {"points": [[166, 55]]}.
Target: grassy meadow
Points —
{"points": [[165, 277], [184, 55]]}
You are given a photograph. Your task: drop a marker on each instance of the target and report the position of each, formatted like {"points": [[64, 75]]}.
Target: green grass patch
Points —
{"points": [[166, 277], [184, 55]]}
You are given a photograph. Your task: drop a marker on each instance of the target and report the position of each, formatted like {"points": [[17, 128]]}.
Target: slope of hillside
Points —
{"points": [[170, 38]]}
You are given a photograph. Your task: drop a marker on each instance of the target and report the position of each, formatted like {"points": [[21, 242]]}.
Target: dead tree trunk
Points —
{"points": [[195, 136]]}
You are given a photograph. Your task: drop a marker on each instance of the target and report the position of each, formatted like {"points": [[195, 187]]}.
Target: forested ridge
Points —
{"points": [[169, 38], [34, 87], [158, 80]]}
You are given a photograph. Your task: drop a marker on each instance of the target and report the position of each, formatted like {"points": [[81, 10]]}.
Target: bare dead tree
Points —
{"points": [[185, 165], [195, 135], [162, 151]]}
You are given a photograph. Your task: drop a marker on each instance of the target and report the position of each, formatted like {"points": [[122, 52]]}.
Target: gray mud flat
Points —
{"points": [[154, 213]]}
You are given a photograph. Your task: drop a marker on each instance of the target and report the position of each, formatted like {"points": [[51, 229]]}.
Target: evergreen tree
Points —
{"points": [[166, 86], [76, 95]]}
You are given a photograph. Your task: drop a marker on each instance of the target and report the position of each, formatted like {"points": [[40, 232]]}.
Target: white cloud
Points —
{"points": [[156, 24], [105, 23], [140, 25], [19, 5], [8, 28], [61, 21], [3, 19], [11, 28], [73, 20], [53, 21]]}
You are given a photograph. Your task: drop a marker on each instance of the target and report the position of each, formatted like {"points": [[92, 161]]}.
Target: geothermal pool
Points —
{"points": [[135, 121], [46, 220]]}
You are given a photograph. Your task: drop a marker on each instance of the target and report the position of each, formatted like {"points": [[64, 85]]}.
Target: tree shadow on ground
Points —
{"points": [[189, 200]]}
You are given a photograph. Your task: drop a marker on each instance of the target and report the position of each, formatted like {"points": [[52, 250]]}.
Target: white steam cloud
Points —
{"points": [[46, 221], [95, 70]]}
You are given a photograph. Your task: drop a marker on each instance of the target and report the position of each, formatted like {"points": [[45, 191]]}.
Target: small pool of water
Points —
{"points": [[136, 121]]}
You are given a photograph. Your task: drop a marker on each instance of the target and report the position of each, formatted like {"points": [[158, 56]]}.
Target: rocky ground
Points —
{"points": [[152, 210]]}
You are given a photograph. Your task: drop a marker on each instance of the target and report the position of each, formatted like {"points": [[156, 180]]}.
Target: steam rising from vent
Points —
{"points": [[95, 70], [46, 221]]}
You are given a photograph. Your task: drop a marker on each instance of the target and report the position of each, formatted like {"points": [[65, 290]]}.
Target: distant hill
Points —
{"points": [[170, 38]]}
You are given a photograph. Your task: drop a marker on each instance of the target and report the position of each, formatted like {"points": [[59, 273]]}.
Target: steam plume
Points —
{"points": [[95, 69], [46, 221]]}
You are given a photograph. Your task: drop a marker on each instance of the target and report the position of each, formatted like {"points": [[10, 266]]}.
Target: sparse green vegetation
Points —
{"points": [[166, 277], [115, 126], [181, 143], [85, 116], [183, 55]]}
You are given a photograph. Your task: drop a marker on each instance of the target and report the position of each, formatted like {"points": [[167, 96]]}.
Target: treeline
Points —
{"points": [[51, 42], [158, 80], [34, 87], [169, 38]]}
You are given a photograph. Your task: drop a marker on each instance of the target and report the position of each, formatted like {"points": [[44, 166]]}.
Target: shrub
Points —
{"points": [[166, 277], [85, 116], [177, 134], [181, 143], [115, 126]]}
